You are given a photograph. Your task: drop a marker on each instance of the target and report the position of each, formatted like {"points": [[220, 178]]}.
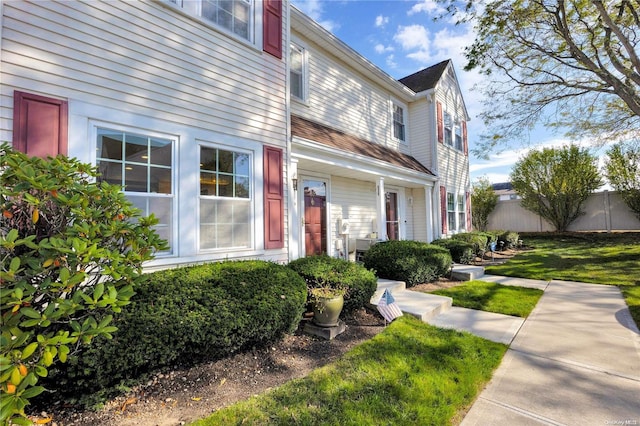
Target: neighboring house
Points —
{"points": [[248, 129], [388, 157], [505, 191]]}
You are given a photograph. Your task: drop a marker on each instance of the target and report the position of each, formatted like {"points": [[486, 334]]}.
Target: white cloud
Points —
{"points": [[381, 48], [391, 63], [415, 39], [381, 21], [314, 9], [429, 7]]}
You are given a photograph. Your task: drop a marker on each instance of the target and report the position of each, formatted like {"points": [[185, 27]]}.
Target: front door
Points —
{"points": [[393, 223], [315, 217]]}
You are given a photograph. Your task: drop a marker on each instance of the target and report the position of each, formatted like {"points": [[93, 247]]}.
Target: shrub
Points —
{"points": [[71, 251], [187, 315], [461, 251], [413, 262], [509, 239], [324, 271]]}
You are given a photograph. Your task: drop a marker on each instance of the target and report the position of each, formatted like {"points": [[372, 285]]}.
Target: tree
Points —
{"points": [[573, 64], [483, 202], [623, 172], [71, 251], [555, 182]]}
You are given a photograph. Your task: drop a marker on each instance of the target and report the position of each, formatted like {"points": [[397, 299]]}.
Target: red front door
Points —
{"points": [[315, 218]]}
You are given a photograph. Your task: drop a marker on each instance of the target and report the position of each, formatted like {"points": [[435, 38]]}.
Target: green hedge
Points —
{"points": [[413, 262], [188, 315], [461, 251], [320, 271]]}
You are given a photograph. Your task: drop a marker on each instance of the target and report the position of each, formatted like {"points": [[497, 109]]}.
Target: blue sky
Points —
{"points": [[400, 37]]}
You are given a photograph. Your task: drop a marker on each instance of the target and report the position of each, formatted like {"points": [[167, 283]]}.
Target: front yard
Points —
{"points": [[611, 259]]}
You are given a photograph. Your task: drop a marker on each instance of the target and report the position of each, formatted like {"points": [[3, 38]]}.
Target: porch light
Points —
{"points": [[294, 181]]}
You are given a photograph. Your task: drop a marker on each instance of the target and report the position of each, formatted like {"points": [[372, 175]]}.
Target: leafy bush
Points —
{"points": [[71, 251], [509, 239], [413, 262], [187, 315], [461, 251], [324, 271]]}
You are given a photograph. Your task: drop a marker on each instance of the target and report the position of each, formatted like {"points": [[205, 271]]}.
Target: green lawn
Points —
{"points": [[493, 297], [612, 259], [411, 373]]}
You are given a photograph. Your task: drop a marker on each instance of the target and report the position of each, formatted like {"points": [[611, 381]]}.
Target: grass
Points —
{"points": [[411, 373], [612, 259], [493, 297]]}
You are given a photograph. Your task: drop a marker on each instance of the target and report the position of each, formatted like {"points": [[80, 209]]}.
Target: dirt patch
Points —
{"points": [[179, 396]]}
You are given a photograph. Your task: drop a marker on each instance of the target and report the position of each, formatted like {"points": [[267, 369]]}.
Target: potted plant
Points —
{"points": [[326, 303]]}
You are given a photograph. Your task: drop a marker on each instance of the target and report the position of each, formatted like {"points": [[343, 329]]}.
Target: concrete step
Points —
{"points": [[466, 272], [420, 305]]}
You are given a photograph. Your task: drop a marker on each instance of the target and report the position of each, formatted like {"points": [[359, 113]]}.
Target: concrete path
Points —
{"points": [[574, 361]]}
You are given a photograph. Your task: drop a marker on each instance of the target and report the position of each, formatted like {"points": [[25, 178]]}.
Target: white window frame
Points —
{"points": [[251, 200], [393, 104], [95, 125], [303, 74], [448, 129], [458, 137], [193, 9], [461, 212]]}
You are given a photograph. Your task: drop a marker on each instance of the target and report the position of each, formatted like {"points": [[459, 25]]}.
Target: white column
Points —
{"points": [[382, 210], [294, 219], [428, 198]]}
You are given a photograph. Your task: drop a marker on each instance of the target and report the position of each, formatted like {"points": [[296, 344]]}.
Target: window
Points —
{"points": [[398, 122], [461, 213], [297, 71], [233, 15], [448, 129], [458, 133], [225, 199], [451, 211], [143, 166]]}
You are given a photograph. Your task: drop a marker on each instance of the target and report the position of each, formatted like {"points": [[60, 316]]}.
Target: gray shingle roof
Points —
{"points": [[425, 79]]}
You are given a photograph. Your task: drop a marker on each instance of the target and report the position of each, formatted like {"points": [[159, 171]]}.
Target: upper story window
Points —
{"points": [[297, 71], [398, 122], [448, 129], [458, 138], [143, 166], [235, 16]]}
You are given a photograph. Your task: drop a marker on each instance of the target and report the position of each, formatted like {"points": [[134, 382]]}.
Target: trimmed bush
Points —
{"points": [[461, 251], [187, 315], [413, 262], [509, 239], [324, 271]]}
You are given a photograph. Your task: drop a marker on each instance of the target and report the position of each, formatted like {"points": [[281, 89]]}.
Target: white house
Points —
{"points": [[388, 157], [249, 130]]}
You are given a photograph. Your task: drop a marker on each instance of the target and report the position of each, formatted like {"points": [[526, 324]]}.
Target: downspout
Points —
{"points": [[293, 215], [436, 218]]}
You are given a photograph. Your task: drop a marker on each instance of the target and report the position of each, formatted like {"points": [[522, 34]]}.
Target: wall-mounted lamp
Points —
{"points": [[294, 180]]}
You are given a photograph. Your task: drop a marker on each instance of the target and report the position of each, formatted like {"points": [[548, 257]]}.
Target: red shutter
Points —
{"points": [[468, 204], [440, 122], [273, 199], [39, 125], [443, 208], [272, 27], [465, 141]]}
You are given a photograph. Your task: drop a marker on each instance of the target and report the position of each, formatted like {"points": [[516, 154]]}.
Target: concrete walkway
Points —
{"points": [[574, 361]]}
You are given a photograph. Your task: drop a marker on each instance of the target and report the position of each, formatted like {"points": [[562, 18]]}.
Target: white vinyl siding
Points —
{"points": [[356, 200], [340, 98], [158, 60]]}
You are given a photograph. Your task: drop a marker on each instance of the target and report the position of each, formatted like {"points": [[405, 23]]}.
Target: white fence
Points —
{"points": [[604, 211]]}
